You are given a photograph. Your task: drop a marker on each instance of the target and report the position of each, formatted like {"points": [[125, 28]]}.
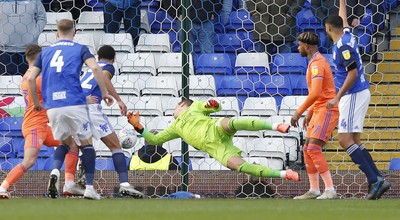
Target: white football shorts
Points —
{"points": [[353, 108]]}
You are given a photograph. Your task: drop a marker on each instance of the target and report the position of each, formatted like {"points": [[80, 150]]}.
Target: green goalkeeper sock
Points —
{"points": [[260, 171], [249, 124]]}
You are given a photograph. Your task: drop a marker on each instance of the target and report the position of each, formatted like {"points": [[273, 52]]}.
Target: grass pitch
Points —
{"points": [[198, 209]]}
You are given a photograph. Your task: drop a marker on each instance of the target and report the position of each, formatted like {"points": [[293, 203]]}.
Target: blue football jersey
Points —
{"points": [[345, 53], [89, 83], [61, 65]]}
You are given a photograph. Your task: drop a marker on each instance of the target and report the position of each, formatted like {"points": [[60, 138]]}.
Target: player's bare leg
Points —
{"points": [[231, 125], [237, 163], [30, 156], [70, 188], [125, 189]]}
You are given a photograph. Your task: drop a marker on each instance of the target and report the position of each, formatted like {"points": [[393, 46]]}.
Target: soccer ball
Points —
{"points": [[127, 138]]}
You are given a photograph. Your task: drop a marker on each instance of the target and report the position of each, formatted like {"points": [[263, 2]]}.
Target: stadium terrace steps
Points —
{"points": [[377, 135], [385, 89], [395, 44], [384, 100], [381, 123], [376, 156], [396, 31], [383, 77], [333, 166], [370, 145], [388, 67], [383, 112], [391, 55]]}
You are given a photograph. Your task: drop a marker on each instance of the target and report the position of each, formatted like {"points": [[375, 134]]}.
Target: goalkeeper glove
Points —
{"points": [[133, 119], [212, 104]]}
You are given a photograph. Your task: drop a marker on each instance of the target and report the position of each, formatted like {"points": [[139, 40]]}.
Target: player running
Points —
{"points": [[319, 122], [353, 98], [102, 126], [65, 101], [34, 126], [213, 135]]}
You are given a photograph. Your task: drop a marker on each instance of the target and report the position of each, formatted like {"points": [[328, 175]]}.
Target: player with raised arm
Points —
{"points": [[353, 98], [213, 135], [101, 125], [34, 126], [319, 121], [65, 101]]}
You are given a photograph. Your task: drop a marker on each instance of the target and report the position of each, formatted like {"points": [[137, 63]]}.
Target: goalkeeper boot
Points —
{"points": [[90, 193], [385, 187], [328, 194], [129, 191], [283, 128], [309, 195], [373, 189], [4, 195], [73, 190], [53, 186], [292, 175]]}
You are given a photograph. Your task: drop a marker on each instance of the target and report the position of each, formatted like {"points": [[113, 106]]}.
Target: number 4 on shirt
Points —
{"points": [[57, 61]]}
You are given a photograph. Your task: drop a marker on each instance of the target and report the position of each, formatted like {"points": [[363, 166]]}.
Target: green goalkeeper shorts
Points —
{"points": [[219, 145]]}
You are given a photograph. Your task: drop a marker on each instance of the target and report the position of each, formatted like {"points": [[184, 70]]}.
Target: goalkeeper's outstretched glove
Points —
{"points": [[133, 119], [212, 104]]}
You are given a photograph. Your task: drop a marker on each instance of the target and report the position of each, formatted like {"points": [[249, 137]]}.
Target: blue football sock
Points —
{"points": [[369, 159], [88, 160], [59, 156], [358, 158], [120, 165]]}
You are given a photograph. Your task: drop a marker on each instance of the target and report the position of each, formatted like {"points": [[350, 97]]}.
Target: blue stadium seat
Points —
{"points": [[47, 164], [276, 86], [163, 21], [240, 86], [305, 19], [6, 147], [11, 126], [299, 84], [150, 5], [179, 160], [12, 162], [214, 63], [392, 4], [364, 40], [239, 20], [40, 162], [45, 152], [96, 5], [104, 163], [394, 164], [289, 63]]}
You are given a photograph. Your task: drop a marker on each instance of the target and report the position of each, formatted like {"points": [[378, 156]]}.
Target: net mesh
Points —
{"points": [[245, 56]]}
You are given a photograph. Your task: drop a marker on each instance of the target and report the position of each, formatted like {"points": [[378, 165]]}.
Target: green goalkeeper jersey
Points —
{"points": [[192, 125]]}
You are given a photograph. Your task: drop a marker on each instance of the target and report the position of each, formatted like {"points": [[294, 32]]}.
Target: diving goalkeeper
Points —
{"points": [[213, 135]]}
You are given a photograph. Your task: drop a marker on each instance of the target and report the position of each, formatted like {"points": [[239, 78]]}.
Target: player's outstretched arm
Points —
{"points": [[35, 71], [113, 92], [162, 137], [98, 75], [343, 12]]}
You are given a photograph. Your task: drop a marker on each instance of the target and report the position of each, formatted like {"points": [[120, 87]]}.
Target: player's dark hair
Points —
{"points": [[335, 20], [187, 102], [65, 26], [308, 38], [32, 50], [106, 52]]}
